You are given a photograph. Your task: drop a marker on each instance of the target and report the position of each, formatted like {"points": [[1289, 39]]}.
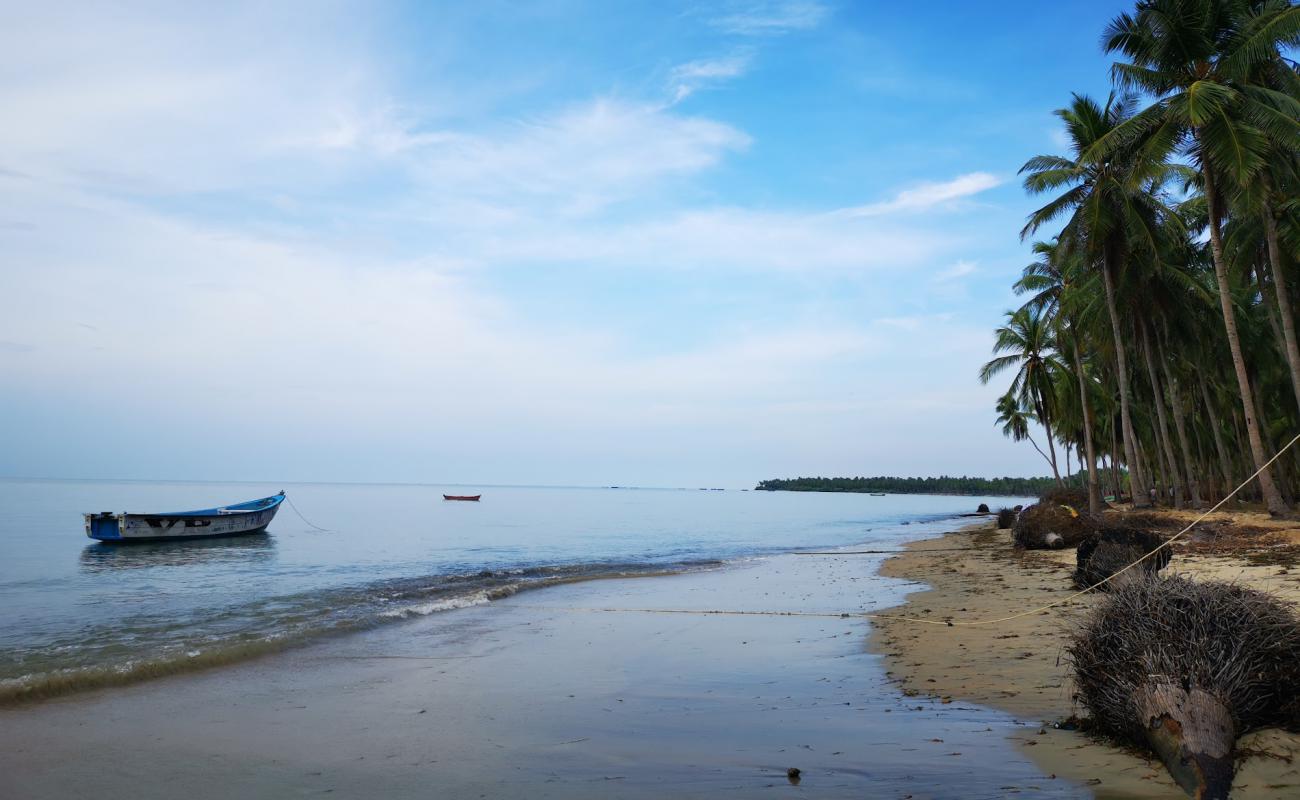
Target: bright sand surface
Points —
{"points": [[1019, 666], [535, 696]]}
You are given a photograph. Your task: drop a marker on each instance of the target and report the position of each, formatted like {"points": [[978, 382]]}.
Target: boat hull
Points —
{"points": [[472, 498], [237, 520]]}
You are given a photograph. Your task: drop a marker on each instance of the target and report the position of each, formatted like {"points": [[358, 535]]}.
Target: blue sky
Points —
{"points": [[555, 242]]}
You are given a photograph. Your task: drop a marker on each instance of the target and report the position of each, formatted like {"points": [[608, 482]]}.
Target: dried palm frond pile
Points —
{"points": [[1006, 518], [1186, 667], [1052, 526], [1110, 550]]}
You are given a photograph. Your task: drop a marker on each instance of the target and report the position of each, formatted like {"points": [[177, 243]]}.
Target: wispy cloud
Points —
{"points": [[770, 17], [928, 195], [686, 79], [957, 271]]}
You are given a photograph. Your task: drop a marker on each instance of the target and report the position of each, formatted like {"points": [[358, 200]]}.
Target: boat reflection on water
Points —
{"points": [[253, 547]]}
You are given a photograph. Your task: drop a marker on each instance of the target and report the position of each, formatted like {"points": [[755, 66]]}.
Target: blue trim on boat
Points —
{"points": [[106, 526]]}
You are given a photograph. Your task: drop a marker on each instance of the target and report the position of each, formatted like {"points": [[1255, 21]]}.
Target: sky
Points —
{"points": [[568, 243]]}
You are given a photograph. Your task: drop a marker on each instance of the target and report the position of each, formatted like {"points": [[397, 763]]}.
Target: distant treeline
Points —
{"points": [[944, 484]]}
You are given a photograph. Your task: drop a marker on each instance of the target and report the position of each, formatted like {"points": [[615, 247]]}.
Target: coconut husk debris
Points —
{"points": [[1048, 525], [1185, 668], [1006, 518], [1107, 552]]}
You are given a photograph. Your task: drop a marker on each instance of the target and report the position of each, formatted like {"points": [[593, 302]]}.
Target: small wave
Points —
{"points": [[425, 609], [143, 648]]}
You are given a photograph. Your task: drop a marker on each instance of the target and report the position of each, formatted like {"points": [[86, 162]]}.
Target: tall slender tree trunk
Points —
{"points": [[1172, 472], [1094, 491], [1272, 499], [1225, 463], [1051, 448], [1136, 484], [1283, 297], [1180, 427]]}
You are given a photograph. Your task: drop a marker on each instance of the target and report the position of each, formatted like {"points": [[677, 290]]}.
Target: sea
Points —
{"points": [[78, 614]]}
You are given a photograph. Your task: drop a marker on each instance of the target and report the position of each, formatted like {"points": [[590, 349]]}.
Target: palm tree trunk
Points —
{"points": [[1162, 431], [1094, 492], [1283, 297], [1272, 500], [1136, 484], [1051, 448], [1180, 427], [1225, 463]]}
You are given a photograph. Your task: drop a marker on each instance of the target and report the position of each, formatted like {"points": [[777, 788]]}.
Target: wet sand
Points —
{"points": [[1019, 666], [536, 696]]}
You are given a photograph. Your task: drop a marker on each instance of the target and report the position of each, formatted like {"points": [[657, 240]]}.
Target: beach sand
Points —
{"points": [[536, 696], [1019, 666]]}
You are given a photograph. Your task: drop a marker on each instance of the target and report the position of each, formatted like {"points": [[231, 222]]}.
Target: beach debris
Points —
{"points": [[1186, 667], [1075, 498], [1006, 518], [1111, 549], [1052, 526], [983, 509]]}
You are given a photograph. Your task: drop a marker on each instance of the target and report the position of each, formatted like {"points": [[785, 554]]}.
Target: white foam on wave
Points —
{"points": [[449, 604]]}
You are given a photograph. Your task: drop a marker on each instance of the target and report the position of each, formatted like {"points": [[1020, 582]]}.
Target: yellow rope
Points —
{"points": [[960, 623]]}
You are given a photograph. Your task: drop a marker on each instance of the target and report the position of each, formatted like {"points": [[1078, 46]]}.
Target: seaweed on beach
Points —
{"points": [[1049, 526], [1110, 550], [1185, 668]]}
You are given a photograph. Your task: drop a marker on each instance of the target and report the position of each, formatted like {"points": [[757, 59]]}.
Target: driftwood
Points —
{"points": [[1185, 668]]}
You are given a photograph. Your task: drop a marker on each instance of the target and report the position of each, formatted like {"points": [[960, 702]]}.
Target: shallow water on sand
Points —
{"points": [[75, 613]]}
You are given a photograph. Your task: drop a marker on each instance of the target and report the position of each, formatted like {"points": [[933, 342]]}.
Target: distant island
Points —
{"points": [[944, 484]]}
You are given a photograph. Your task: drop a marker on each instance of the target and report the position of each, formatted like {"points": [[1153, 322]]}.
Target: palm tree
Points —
{"points": [[1028, 340], [1198, 58], [1113, 218], [1016, 421], [1051, 281]]}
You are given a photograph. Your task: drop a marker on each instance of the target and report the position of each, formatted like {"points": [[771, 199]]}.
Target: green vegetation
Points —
{"points": [[1157, 345], [944, 484]]}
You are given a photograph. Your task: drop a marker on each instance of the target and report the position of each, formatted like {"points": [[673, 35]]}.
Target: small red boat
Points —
{"points": [[471, 497]]}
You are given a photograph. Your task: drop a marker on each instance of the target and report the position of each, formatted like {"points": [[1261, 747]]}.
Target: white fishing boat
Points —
{"points": [[233, 520]]}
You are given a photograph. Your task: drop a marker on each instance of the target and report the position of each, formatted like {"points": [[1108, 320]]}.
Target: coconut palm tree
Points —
{"points": [[1016, 421], [1027, 339], [1051, 282], [1200, 60], [1113, 219]]}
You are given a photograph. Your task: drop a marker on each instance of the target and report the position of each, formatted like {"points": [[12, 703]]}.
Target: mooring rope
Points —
{"points": [[955, 623], [304, 519]]}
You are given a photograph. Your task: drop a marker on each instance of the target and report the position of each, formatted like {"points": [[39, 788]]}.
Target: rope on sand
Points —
{"points": [[955, 623]]}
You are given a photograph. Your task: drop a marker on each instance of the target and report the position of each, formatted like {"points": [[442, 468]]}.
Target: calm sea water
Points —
{"points": [[76, 613]]}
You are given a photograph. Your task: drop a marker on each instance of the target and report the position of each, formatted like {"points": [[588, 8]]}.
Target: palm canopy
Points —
{"points": [[1201, 60], [1028, 342], [1110, 200]]}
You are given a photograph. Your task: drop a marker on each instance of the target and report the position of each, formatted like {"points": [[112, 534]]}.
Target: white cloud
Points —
{"points": [[770, 17], [929, 195], [686, 79], [229, 215], [581, 158], [959, 270]]}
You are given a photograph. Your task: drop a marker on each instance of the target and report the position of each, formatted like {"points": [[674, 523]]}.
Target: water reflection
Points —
{"points": [[250, 548]]}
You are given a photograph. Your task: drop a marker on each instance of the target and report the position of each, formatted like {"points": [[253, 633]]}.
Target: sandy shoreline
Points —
{"points": [[1018, 666], [539, 696]]}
